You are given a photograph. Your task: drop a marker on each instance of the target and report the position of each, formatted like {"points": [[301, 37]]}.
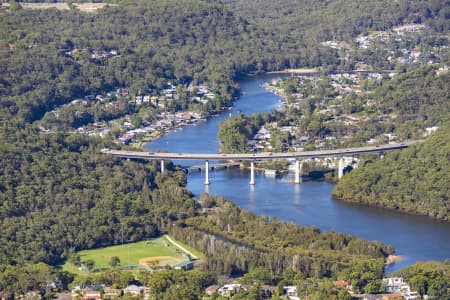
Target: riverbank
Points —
{"points": [[297, 71], [306, 204], [391, 259], [155, 135]]}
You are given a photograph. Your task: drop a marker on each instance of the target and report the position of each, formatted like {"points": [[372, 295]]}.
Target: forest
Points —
{"points": [[307, 20], [204, 43], [413, 180], [418, 99], [58, 194], [428, 278], [210, 43]]}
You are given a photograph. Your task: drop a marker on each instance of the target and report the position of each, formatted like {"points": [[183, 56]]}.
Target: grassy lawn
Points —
{"points": [[130, 254]]}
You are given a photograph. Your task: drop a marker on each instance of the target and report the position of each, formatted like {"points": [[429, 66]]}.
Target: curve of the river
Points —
{"points": [[416, 238]]}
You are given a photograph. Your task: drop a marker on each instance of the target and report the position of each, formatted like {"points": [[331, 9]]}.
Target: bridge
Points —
{"points": [[213, 166], [252, 157]]}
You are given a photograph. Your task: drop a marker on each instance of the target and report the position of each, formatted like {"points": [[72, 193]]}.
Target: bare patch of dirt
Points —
{"points": [[161, 260]]}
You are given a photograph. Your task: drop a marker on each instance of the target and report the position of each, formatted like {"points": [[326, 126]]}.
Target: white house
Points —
{"points": [[133, 289], [396, 284], [230, 289]]}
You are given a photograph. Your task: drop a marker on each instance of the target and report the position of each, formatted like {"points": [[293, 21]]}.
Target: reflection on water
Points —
{"points": [[297, 195], [417, 238], [251, 197], [310, 204]]}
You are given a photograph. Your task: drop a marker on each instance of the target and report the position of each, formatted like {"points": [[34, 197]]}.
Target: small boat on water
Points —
{"points": [[270, 173]]}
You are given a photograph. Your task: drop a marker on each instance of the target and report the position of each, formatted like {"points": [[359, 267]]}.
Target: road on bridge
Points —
{"points": [[259, 156]]}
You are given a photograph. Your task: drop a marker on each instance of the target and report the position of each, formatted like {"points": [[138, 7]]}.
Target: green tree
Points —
{"points": [[90, 264], [114, 261]]}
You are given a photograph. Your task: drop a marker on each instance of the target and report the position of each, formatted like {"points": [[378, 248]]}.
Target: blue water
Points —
{"points": [[415, 237]]}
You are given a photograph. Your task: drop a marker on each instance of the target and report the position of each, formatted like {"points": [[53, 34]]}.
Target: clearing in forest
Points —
{"points": [[141, 255]]}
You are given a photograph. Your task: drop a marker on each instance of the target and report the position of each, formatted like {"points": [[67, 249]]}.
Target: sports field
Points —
{"points": [[155, 252]]}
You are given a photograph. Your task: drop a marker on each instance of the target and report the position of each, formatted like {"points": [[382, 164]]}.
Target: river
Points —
{"points": [[416, 238]]}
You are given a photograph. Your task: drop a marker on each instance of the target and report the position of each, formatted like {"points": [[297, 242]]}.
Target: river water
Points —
{"points": [[310, 203]]}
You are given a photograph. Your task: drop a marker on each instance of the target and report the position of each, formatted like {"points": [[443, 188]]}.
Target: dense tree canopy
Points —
{"points": [[46, 55], [428, 278], [237, 241], [414, 180], [311, 20], [418, 99], [58, 194]]}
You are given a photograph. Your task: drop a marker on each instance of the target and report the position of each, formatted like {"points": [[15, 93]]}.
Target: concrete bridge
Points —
{"points": [[252, 157], [213, 166]]}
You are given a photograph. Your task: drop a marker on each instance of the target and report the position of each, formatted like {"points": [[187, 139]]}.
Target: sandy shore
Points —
{"points": [[296, 71], [393, 258]]}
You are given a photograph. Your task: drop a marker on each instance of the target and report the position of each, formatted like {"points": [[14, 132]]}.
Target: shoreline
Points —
{"points": [[398, 210], [390, 266], [392, 259], [296, 71], [141, 144]]}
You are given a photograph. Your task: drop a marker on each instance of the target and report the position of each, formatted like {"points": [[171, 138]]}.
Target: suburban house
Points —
{"points": [[395, 284], [133, 289], [92, 295], [290, 290], [211, 289], [229, 290]]}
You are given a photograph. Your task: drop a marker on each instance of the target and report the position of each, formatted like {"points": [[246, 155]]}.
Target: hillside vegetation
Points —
{"points": [[59, 194], [414, 100], [414, 180], [312, 20], [428, 278], [203, 43]]}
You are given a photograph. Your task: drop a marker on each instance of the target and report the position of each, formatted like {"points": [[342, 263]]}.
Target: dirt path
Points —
{"points": [[181, 247]]}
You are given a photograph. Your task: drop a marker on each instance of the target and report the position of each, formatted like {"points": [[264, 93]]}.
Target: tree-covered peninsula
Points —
{"points": [[413, 180]]}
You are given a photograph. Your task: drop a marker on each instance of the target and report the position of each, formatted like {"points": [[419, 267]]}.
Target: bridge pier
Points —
{"points": [[297, 171], [341, 168], [206, 172], [252, 173], [162, 166]]}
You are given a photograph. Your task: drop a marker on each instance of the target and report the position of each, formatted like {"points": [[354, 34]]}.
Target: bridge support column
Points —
{"points": [[297, 172], [252, 173], [206, 172], [341, 168], [162, 166]]}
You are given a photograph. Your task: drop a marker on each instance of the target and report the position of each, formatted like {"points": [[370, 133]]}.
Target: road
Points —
{"points": [[261, 155]]}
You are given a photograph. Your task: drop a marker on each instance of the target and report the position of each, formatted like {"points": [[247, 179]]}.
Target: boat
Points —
{"points": [[270, 173]]}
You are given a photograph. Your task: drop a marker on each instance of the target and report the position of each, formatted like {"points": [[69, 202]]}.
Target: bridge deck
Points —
{"points": [[258, 156]]}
